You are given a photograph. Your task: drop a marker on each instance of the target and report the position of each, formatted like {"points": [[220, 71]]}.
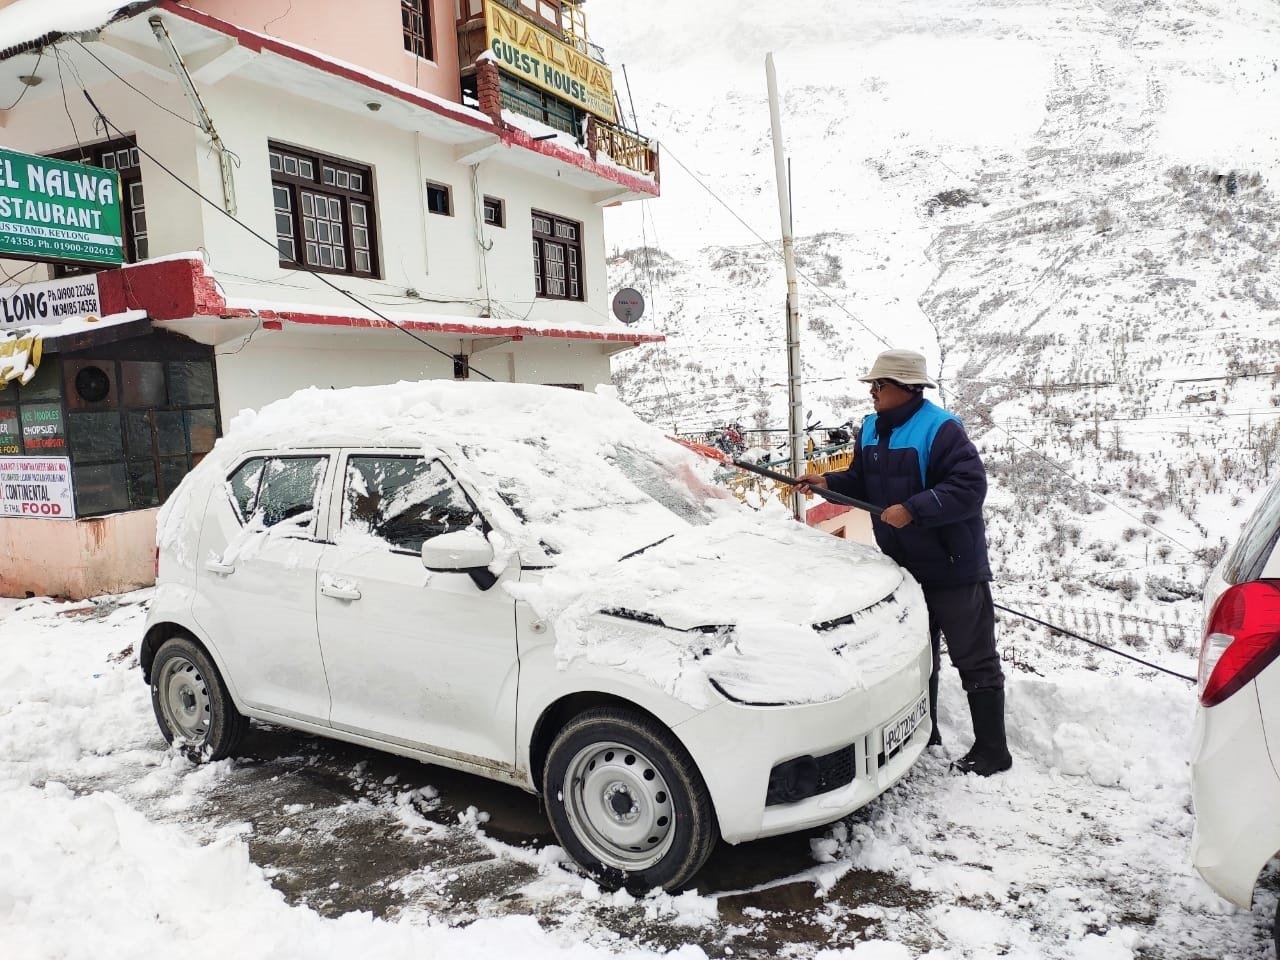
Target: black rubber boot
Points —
{"points": [[990, 752], [935, 738]]}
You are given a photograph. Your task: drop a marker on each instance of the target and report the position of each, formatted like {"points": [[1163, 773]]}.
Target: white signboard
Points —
{"points": [[37, 304], [36, 487]]}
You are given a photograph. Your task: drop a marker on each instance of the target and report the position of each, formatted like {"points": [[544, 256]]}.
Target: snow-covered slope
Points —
{"points": [[1067, 205]]}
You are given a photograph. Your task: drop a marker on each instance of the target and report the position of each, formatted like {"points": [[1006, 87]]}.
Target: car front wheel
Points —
{"points": [[627, 802], [191, 703]]}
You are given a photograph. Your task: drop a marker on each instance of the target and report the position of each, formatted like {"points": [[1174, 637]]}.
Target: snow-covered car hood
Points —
{"points": [[764, 610], [717, 576]]}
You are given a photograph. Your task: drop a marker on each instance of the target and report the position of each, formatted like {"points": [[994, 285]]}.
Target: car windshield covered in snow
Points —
{"points": [[619, 497]]}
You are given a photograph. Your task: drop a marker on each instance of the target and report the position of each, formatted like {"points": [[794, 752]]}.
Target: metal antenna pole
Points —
{"points": [[796, 407]]}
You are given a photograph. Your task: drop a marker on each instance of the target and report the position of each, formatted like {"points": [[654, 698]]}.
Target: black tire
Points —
{"points": [[627, 802], [191, 703]]}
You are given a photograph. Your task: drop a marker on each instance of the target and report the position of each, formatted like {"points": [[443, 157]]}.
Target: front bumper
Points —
{"points": [[1236, 794], [736, 746]]}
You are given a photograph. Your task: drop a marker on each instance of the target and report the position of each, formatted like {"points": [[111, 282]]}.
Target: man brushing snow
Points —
{"points": [[914, 459]]}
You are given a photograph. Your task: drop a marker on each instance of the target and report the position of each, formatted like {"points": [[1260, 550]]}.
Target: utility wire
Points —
{"points": [[274, 246], [141, 93], [1094, 643]]}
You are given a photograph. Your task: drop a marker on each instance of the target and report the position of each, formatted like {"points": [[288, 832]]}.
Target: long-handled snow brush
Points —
{"points": [[829, 495]]}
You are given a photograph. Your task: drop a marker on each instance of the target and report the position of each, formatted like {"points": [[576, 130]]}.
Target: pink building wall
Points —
{"points": [[80, 558], [367, 33]]}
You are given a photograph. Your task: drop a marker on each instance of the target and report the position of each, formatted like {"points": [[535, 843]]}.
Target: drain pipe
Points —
{"points": [[206, 124]]}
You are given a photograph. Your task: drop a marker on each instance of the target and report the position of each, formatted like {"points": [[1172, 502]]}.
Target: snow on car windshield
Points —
{"points": [[570, 496]]}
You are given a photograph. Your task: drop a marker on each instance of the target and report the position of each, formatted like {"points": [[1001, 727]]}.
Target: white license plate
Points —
{"points": [[898, 730]]}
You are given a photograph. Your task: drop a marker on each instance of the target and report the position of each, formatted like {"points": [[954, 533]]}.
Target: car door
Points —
{"points": [[418, 657], [256, 581]]}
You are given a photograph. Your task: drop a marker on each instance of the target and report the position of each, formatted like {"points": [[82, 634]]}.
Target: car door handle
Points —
{"points": [[220, 568], [343, 591]]}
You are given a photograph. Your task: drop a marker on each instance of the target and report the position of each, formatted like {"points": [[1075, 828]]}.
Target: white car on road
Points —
{"points": [[1235, 767], [530, 584]]}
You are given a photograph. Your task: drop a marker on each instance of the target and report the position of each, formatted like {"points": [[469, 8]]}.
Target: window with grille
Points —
{"points": [[495, 213], [123, 157], [415, 16], [439, 199], [324, 212], [557, 257]]}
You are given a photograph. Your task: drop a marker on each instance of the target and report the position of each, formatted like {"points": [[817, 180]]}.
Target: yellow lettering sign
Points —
{"points": [[535, 56]]}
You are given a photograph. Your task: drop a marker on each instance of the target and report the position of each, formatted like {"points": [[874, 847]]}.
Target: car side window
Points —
{"points": [[404, 500], [277, 489], [242, 487]]}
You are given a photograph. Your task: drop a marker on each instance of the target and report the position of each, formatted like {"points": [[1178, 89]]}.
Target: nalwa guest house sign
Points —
{"points": [[53, 210]]}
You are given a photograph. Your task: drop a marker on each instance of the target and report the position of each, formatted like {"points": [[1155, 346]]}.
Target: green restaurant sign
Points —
{"points": [[54, 210]]}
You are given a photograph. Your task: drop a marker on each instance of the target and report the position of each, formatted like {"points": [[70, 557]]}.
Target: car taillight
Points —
{"points": [[1241, 638]]}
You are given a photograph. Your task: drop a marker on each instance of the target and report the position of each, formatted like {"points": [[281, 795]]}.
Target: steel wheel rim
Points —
{"points": [[184, 699], [619, 805]]}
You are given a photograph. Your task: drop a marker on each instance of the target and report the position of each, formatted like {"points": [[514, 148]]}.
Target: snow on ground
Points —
{"points": [[1080, 851]]}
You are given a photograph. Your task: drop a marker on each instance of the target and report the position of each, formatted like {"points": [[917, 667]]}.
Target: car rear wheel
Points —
{"points": [[627, 802], [191, 703]]}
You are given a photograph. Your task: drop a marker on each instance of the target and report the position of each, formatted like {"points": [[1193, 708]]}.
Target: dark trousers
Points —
{"points": [[965, 616]]}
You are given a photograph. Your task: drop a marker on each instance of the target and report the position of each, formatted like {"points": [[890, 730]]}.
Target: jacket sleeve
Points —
{"points": [[957, 478], [849, 482]]}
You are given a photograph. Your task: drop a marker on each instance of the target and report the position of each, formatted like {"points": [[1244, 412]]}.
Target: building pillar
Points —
{"points": [[593, 137], [488, 89]]}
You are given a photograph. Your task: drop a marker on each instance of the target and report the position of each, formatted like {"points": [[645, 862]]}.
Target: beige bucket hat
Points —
{"points": [[904, 366]]}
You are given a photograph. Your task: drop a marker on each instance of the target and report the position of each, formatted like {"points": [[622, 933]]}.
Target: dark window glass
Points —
{"points": [[191, 383], [142, 484], [45, 385], [404, 500], [557, 257], [415, 18], [172, 470], [101, 488], [290, 490], [202, 430], [495, 213], [439, 199], [142, 384], [95, 437], [323, 212], [243, 487]]}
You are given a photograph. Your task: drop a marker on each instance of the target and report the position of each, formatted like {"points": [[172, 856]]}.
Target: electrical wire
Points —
{"points": [[274, 246], [25, 87]]}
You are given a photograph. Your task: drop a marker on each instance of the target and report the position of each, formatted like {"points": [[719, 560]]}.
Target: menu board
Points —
{"points": [[43, 431], [37, 488], [10, 437]]}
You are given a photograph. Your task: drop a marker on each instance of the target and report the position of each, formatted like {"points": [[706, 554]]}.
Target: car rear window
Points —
{"points": [[1258, 538]]}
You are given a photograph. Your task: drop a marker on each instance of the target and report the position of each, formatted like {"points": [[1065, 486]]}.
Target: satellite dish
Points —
{"points": [[628, 305]]}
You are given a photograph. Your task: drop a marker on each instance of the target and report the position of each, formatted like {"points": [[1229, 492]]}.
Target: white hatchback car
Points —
{"points": [[530, 584], [1235, 767]]}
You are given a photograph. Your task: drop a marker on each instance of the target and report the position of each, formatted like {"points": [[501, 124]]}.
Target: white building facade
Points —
{"points": [[316, 199]]}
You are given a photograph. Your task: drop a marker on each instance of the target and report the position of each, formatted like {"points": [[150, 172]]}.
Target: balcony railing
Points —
{"points": [[626, 149]]}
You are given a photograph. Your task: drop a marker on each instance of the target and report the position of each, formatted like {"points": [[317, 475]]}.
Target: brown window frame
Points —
{"points": [[136, 243], [308, 182], [498, 208], [549, 239], [415, 24], [440, 188]]}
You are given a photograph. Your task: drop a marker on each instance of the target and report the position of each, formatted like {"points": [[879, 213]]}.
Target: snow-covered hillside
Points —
{"points": [[1069, 205]]}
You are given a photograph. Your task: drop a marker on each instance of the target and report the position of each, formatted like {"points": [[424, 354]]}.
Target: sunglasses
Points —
{"points": [[878, 385]]}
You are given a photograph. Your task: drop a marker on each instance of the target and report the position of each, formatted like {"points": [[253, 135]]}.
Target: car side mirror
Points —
{"points": [[459, 550]]}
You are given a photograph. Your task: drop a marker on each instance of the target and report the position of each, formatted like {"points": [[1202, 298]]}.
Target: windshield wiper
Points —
{"points": [[635, 553]]}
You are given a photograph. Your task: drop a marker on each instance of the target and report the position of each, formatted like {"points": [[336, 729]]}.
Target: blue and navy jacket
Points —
{"points": [[918, 455]]}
